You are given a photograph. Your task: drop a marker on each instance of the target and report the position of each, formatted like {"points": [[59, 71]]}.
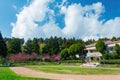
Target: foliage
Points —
{"points": [[114, 38], [35, 46], [52, 46], [64, 54], [31, 46], [41, 47], [112, 61], [72, 61], [76, 49], [110, 56], [28, 48], [51, 57], [89, 41], [3, 62], [117, 48], [14, 45], [100, 46], [22, 57], [3, 47]]}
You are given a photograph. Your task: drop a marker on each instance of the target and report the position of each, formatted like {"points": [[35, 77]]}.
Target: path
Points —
{"points": [[33, 73]]}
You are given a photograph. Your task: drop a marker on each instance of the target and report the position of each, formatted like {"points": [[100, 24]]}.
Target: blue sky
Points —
{"points": [[9, 9], [8, 14]]}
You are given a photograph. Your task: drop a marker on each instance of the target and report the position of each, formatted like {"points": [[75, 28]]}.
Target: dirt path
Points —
{"points": [[33, 73]]}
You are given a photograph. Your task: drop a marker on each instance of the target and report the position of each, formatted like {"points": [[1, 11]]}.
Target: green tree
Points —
{"points": [[3, 47], [41, 47], [14, 45], [114, 38], [64, 54], [35, 46], [52, 46], [100, 46], [28, 48], [117, 48], [76, 49], [64, 44]]}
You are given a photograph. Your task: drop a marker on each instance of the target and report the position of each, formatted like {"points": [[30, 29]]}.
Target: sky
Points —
{"points": [[86, 19]]}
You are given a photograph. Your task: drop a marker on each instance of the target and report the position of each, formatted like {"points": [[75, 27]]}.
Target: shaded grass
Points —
{"points": [[7, 74], [66, 69]]}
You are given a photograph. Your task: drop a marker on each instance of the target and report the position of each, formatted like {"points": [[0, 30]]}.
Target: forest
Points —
{"points": [[54, 48]]}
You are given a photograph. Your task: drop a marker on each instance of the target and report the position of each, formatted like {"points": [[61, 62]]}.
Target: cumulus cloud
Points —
{"points": [[80, 21], [25, 26], [111, 28]]}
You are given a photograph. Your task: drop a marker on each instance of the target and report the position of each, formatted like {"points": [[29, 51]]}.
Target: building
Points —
{"points": [[93, 54]]}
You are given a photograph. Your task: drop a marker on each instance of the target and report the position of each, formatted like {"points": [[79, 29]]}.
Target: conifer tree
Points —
{"points": [[3, 47]]}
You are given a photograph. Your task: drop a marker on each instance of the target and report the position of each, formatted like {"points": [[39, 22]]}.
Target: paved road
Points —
{"points": [[32, 73]]}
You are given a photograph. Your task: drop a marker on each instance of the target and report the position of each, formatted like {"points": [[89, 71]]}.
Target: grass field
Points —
{"points": [[7, 74], [66, 69]]}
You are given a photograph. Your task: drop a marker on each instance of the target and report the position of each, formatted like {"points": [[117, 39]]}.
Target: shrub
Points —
{"points": [[117, 61], [3, 61], [22, 57], [53, 57], [109, 56]]}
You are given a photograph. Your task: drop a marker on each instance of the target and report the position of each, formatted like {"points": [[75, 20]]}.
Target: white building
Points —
{"points": [[93, 54]]}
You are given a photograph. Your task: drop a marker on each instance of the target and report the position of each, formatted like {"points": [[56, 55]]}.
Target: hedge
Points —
{"points": [[116, 61], [72, 61]]}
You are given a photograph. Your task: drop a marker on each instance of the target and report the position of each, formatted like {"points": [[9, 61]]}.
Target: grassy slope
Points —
{"points": [[63, 69], [7, 74]]}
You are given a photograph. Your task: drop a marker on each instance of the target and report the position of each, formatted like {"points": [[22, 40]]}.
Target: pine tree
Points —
{"points": [[3, 47], [35, 46], [14, 45]]}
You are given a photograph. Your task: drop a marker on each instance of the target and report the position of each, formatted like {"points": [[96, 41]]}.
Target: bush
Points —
{"points": [[110, 56], [72, 61], [53, 57], [22, 57], [117, 61], [3, 61]]}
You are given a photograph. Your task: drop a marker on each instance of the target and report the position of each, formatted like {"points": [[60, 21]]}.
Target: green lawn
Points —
{"points": [[67, 69], [7, 74]]}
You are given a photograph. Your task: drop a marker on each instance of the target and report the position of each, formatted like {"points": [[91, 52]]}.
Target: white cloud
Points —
{"points": [[25, 26], [111, 28], [52, 29], [80, 21]]}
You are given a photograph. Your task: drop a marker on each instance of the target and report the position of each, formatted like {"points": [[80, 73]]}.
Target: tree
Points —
{"points": [[76, 49], [3, 47], [117, 48], [64, 44], [14, 45], [41, 47], [35, 46], [114, 38], [100, 46], [28, 48], [52, 46], [64, 54]]}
